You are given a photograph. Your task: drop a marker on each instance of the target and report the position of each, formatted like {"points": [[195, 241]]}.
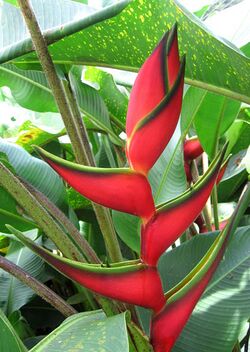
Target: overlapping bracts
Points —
{"points": [[153, 113]]}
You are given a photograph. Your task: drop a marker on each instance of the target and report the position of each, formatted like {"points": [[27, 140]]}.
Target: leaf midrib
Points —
{"points": [[188, 80], [24, 78]]}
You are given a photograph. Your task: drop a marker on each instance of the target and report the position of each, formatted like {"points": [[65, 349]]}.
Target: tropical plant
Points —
{"points": [[161, 186]]}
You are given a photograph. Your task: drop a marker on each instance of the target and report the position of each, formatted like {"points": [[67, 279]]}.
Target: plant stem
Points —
{"points": [[39, 288], [215, 208], [87, 157], [41, 217], [72, 120], [207, 208]]}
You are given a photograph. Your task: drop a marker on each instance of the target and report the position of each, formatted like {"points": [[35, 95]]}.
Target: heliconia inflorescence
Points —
{"points": [[153, 113]]}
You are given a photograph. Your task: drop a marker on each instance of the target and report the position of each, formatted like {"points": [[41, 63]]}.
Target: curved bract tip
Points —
{"points": [[120, 189]]}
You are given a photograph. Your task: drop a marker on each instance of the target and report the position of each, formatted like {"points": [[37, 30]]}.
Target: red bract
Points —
{"points": [[136, 283], [120, 189], [172, 219], [155, 104], [192, 149]]}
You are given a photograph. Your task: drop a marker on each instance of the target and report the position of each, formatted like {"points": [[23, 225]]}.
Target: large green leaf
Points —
{"points": [[125, 41], [9, 341], [28, 87], [235, 175], [91, 103], [239, 136], [85, 332], [116, 101], [225, 307], [13, 293], [213, 116], [30, 90], [73, 18], [35, 171]]}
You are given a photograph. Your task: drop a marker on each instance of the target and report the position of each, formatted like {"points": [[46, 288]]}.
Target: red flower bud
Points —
{"points": [[192, 149]]}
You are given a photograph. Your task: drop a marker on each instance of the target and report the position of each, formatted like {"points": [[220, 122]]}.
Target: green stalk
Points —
{"points": [[72, 120], [41, 217], [214, 152], [40, 289], [215, 208]]}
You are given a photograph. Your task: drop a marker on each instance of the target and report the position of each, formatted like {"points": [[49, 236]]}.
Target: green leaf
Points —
{"points": [[125, 41], [239, 136], [13, 293], [36, 172], [192, 102], [91, 103], [235, 175], [20, 325], [73, 18], [28, 87], [13, 2], [9, 340], [4, 242], [87, 332], [30, 135], [167, 177], [225, 306], [115, 100], [213, 116], [128, 229]]}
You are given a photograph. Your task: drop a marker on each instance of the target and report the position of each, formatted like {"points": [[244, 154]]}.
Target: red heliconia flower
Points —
{"points": [[120, 189], [153, 113], [155, 104], [173, 218]]}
